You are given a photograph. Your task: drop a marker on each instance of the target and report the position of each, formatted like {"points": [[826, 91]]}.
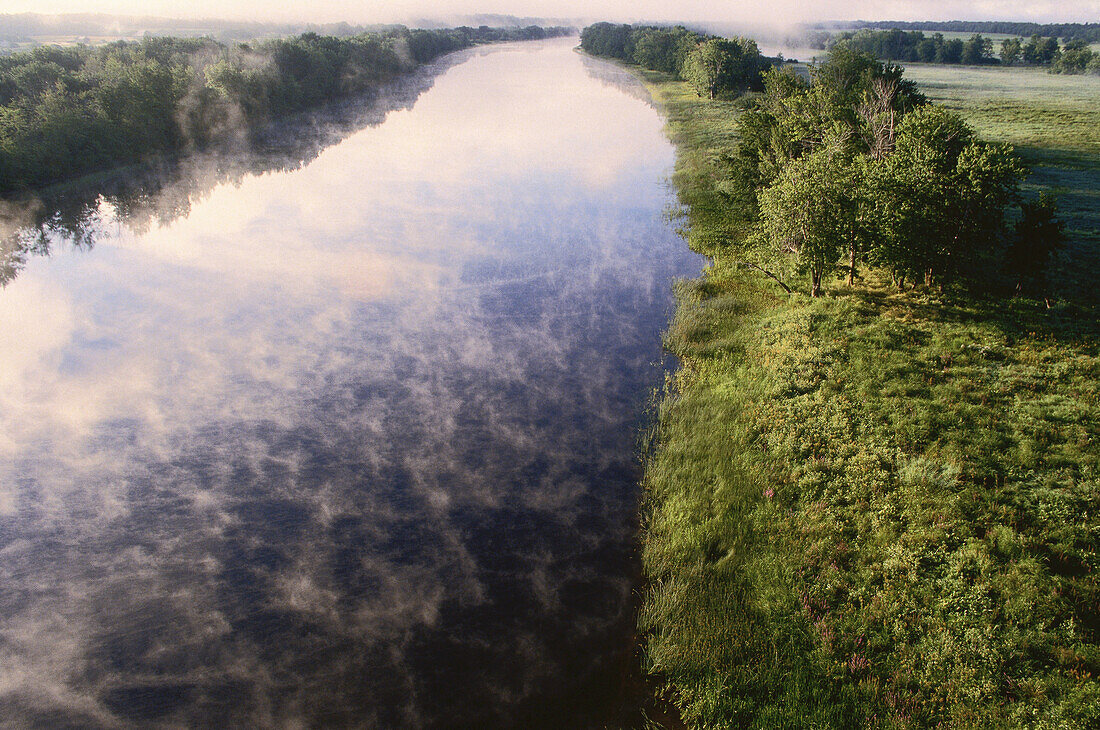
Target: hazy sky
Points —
{"points": [[778, 12]]}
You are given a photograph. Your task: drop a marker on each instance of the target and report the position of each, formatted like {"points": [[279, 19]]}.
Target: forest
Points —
{"points": [[66, 112], [852, 161]]}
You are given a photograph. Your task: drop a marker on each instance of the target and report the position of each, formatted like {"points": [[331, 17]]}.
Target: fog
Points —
{"points": [[347, 441], [780, 13]]}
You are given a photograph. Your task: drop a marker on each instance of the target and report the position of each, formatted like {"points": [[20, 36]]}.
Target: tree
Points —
{"points": [[939, 199], [854, 102], [1074, 59], [1037, 236], [608, 39], [704, 66], [1040, 51], [1011, 50], [847, 74], [949, 51], [811, 212], [65, 112], [977, 51], [722, 65], [663, 49]]}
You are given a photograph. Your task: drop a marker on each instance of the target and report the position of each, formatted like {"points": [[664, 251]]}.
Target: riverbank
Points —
{"points": [[871, 509]]}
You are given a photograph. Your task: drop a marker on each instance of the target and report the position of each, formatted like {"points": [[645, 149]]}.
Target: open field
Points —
{"points": [[879, 509], [1039, 112]]}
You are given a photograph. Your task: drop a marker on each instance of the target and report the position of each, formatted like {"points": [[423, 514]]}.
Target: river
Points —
{"points": [[349, 439]]}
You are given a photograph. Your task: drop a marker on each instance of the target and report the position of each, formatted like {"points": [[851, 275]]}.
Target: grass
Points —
{"points": [[874, 509], [1026, 107]]}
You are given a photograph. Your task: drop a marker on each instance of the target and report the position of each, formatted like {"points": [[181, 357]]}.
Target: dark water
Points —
{"points": [[348, 439]]}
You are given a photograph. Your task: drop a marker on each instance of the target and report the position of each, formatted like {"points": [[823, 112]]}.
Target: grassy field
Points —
{"points": [[878, 509]]}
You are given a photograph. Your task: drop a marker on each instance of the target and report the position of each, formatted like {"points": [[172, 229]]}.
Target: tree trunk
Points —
{"points": [[815, 282], [852, 266]]}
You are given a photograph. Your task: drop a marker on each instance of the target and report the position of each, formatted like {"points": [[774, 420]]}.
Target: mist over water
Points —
{"points": [[350, 442]]}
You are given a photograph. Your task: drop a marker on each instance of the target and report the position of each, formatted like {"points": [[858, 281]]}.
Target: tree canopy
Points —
{"points": [[720, 66], [855, 162], [712, 65]]}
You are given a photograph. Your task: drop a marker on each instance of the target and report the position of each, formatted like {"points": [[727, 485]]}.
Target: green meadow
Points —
{"points": [[881, 509]]}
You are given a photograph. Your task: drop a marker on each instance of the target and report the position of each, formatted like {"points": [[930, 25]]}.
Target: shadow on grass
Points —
{"points": [[1017, 318]]}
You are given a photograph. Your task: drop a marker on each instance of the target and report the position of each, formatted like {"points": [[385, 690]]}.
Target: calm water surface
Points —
{"points": [[352, 444]]}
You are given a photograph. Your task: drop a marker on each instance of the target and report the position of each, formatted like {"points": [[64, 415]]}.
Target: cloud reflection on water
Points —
{"points": [[351, 444]]}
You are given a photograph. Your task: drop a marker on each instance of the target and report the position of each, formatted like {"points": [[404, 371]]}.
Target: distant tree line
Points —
{"points": [[899, 45], [1075, 57], [713, 66], [1088, 32], [854, 166], [65, 112]]}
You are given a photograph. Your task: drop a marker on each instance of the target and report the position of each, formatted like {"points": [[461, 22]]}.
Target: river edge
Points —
{"points": [[697, 619]]}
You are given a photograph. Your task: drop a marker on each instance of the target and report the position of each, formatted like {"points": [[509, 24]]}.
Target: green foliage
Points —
{"points": [[70, 111], [1039, 51], [716, 65], [1011, 51], [898, 45], [1074, 59], [1088, 32], [812, 211], [608, 40], [847, 76], [928, 203], [977, 50], [1038, 235], [722, 66], [939, 199], [663, 49], [1053, 123]]}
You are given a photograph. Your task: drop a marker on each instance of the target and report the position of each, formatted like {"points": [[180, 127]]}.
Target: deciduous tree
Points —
{"points": [[811, 212]]}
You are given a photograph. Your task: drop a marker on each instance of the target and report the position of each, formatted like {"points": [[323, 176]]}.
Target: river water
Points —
{"points": [[347, 437]]}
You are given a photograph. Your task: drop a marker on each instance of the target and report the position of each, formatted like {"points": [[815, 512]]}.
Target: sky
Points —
{"points": [[775, 12]]}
